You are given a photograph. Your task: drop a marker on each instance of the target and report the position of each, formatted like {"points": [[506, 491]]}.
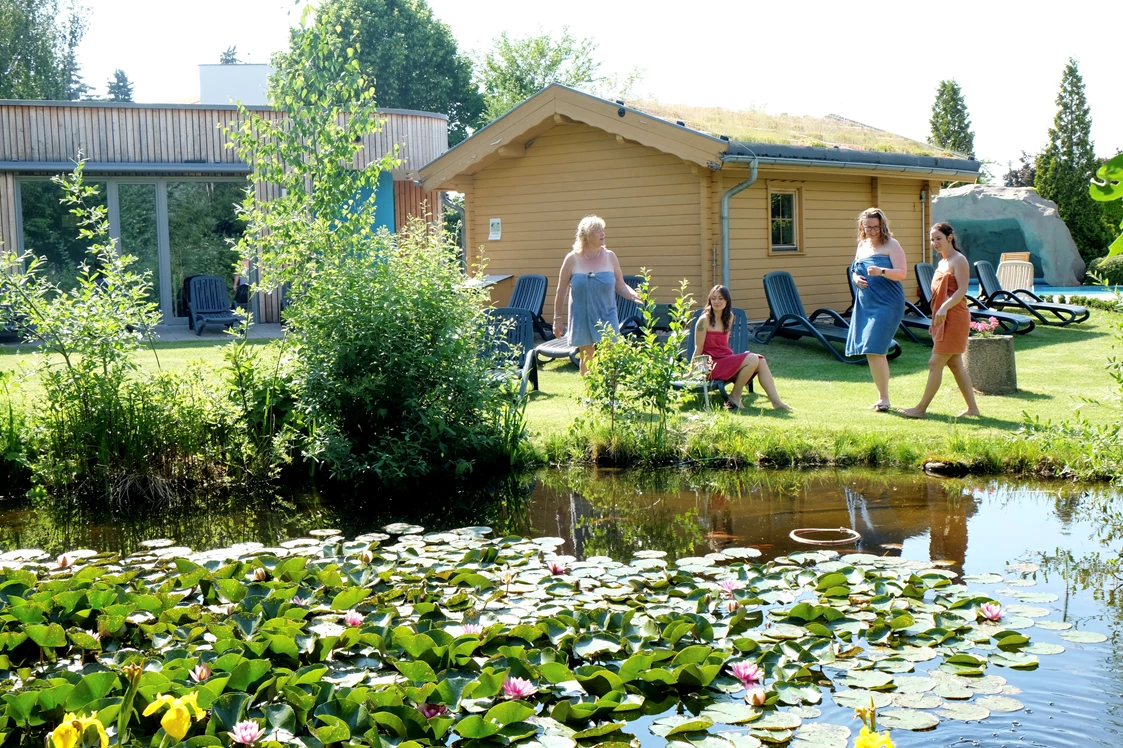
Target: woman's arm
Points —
{"points": [[962, 277], [900, 269], [700, 335], [563, 291], [622, 288]]}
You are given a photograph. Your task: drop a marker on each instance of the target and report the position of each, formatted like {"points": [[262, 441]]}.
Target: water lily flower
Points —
{"points": [[366, 557], [260, 574], [201, 672], [473, 628], [71, 733], [756, 696], [518, 688], [732, 606], [991, 611], [747, 672], [867, 738], [353, 618], [177, 719], [299, 601], [729, 585], [428, 711], [64, 562], [246, 732], [556, 568]]}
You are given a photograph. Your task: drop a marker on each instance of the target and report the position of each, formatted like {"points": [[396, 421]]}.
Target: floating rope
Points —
{"points": [[850, 535]]}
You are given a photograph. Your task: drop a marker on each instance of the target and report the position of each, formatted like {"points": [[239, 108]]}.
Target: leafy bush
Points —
{"points": [[1109, 269]]}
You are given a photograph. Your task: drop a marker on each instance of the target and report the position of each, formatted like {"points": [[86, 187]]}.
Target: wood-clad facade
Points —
{"points": [[126, 143], [562, 155]]}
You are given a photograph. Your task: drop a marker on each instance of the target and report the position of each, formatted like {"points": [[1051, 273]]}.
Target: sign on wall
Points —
{"points": [[495, 229]]}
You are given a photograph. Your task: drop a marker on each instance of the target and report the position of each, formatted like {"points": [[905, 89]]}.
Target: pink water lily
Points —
{"points": [[518, 688], [729, 585], [64, 562], [201, 672], [260, 574], [246, 733], [299, 601], [473, 628], [353, 618], [991, 611], [428, 711], [747, 672], [557, 568], [756, 697]]}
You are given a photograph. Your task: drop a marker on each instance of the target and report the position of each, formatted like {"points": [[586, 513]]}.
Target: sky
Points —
{"points": [[875, 62]]}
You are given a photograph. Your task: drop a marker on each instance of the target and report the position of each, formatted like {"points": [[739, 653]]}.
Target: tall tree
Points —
{"points": [[120, 88], [412, 58], [38, 43], [516, 68], [951, 125], [1068, 162], [229, 56]]}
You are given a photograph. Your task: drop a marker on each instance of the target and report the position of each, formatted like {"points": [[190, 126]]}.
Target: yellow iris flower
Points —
{"points": [[869, 739], [71, 732], [177, 719]]}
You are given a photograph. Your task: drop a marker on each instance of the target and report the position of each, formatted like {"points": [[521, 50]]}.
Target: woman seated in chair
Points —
{"points": [[711, 335]]}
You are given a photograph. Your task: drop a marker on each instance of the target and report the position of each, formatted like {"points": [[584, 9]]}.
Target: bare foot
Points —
{"points": [[880, 406], [781, 405], [969, 412], [734, 404], [912, 412]]}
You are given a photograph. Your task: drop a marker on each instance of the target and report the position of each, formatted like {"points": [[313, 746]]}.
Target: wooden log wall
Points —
{"points": [[411, 200]]}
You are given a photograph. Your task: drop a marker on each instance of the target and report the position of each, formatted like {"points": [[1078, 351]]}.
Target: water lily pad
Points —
{"points": [[1054, 625], [1023, 568], [741, 552], [1000, 704], [1044, 648], [953, 691], [732, 713], [1021, 583], [1037, 597], [856, 697], [403, 528], [917, 700], [907, 719], [988, 684], [964, 712], [156, 543], [806, 712], [869, 679], [821, 735], [1029, 611], [785, 631], [650, 554], [739, 739], [1083, 637], [773, 737], [982, 578], [913, 684], [680, 723], [777, 720]]}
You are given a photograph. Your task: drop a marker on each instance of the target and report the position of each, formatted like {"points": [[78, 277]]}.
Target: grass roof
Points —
{"points": [[757, 126]]}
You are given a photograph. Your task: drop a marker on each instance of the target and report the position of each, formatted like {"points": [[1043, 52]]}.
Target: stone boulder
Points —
{"points": [[989, 220]]}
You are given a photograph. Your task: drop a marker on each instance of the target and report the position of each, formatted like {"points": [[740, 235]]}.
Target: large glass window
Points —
{"points": [[202, 226], [137, 210], [51, 231]]}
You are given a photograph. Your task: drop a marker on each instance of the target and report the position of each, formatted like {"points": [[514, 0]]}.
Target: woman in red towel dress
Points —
{"points": [[711, 335]]}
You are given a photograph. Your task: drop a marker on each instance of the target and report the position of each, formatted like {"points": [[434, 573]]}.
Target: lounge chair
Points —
{"points": [[980, 312], [913, 318], [738, 343], [209, 304], [513, 342], [629, 312], [788, 319], [995, 295], [530, 294], [1015, 274], [1008, 256]]}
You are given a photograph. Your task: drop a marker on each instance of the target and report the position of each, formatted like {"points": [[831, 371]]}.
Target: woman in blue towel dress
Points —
{"points": [[878, 269], [590, 276]]}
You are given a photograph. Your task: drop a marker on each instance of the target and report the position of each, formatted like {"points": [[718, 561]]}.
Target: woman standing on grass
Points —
{"points": [[590, 275], [878, 269], [711, 338], [951, 322]]}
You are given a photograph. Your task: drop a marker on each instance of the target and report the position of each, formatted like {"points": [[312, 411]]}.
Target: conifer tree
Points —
{"points": [[951, 125], [1068, 162], [120, 88]]}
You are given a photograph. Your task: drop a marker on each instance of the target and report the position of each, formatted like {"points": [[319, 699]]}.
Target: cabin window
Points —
{"points": [[784, 206]]}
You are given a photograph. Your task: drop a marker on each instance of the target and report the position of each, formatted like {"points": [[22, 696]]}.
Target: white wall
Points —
{"points": [[229, 84]]}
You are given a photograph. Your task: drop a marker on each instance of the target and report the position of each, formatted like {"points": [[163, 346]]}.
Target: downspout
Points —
{"points": [[752, 161], [463, 228], [923, 224]]}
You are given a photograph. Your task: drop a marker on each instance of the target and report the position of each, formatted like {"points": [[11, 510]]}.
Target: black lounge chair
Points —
{"points": [[513, 342], [788, 319], [629, 312], [995, 295], [738, 343], [209, 303], [530, 294], [980, 312], [913, 318]]}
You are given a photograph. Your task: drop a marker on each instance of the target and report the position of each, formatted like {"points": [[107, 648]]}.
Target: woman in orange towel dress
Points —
{"points": [[951, 323]]}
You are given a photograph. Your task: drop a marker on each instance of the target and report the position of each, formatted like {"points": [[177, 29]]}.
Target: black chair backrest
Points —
{"points": [[738, 332], [626, 308], [209, 294], [925, 272], [988, 279], [782, 296], [529, 293], [512, 333]]}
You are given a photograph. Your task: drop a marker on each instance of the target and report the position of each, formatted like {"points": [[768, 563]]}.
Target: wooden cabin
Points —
{"points": [[529, 177], [169, 183]]}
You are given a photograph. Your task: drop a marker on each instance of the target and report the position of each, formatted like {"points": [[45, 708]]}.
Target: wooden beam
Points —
{"points": [[875, 192], [561, 119], [512, 151]]}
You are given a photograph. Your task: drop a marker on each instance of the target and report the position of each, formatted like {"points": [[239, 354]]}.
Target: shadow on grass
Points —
{"points": [[975, 422]]}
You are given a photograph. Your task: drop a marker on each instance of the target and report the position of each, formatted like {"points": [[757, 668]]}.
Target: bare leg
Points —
{"points": [[764, 374], [879, 368], [963, 379], [744, 374], [936, 366], [585, 355]]}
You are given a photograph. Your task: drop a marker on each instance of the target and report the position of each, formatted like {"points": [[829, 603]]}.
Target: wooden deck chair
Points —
{"points": [[788, 319], [512, 342], [209, 303], [980, 312], [1015, 274], [996, 296], [530, 294], [1013, 257], [738, 343], [913, 319]]}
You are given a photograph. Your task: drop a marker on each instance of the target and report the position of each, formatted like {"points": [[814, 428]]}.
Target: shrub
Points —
{"points": [[1109, 269]]}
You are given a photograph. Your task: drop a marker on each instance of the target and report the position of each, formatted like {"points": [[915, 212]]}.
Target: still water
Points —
{"points": [[1062, 531]]}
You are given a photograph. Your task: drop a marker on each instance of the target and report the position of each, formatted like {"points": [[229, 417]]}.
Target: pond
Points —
{"points": [[1041, 538]]}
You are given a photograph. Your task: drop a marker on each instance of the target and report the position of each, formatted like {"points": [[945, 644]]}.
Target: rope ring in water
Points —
{"points": [[851, 535]]}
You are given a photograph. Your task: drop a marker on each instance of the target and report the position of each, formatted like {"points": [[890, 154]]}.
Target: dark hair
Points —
{"points": [[948, 232], [726, 314]]}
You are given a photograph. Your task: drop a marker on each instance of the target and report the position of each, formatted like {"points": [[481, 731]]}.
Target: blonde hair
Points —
{"points": [[874, 213], [587, 226]]}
